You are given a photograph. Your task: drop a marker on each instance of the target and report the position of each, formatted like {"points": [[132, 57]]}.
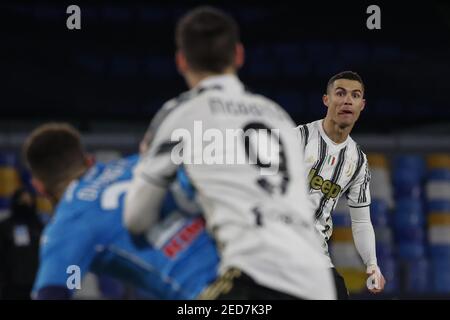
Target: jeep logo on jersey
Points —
{"points": [[328, 188]]}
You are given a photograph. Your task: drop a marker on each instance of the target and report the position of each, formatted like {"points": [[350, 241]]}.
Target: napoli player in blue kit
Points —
{"points": [[175, 260]]}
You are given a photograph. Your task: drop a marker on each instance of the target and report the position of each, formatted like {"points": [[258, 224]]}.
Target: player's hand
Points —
{"points": [[375, 281]]}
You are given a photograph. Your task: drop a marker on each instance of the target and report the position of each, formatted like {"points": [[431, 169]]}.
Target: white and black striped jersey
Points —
{"points": [[263, 224], [333, 170]]}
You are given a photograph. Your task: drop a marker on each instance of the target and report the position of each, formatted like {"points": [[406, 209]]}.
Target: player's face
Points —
{"points": [[345, 102]]}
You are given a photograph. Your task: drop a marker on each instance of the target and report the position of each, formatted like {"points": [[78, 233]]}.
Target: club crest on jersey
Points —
{"points": [[349, 171], [328, 188]]}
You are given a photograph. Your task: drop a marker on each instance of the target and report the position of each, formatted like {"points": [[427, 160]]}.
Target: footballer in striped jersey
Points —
{"points": [[336, 166]]}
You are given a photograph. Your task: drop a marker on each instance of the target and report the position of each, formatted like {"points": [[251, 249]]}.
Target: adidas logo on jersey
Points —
{"points": [[328, 188]]}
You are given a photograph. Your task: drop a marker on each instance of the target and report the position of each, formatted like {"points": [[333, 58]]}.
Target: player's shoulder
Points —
{"points": [[189, 97], [83, 195], [177, 101], [178, 107], [170, 106], [356, 153], [308, 130], [310, 126], [356, 147]]}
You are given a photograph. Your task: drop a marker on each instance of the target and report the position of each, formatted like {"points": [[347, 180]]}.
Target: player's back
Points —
{"points": [[176, 260], [257, 209]]}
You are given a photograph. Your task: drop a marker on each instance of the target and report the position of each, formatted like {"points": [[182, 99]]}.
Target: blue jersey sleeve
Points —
{"points": [[67, 251], [185, 183]]}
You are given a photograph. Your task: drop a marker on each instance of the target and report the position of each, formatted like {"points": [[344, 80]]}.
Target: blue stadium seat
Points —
{"points": [[438, 174], [384, 250], [417, 276], [409, 213], [438, 206], [441, 275], [439, 251], [410, 251], [379, 213], [410, 234], [8, 159], [4, 203], [409, 226], [408, 174], [413, 163]]}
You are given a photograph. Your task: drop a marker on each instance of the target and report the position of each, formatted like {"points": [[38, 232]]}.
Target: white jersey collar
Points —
{"points": [[229, 82]]}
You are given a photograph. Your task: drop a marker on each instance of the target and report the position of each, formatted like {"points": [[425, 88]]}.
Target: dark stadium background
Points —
{"points": [[110, 77]]}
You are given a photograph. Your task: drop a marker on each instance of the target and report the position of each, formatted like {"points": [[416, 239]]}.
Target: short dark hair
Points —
{"points": [[207, 36], [54, 153], [348, 75]]}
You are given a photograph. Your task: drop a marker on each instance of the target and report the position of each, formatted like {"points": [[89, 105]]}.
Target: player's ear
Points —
{"points": [[180, 61], [363, 105], [89, 159], [38, 185], [325, 99], [144, 145], [239, 56]]}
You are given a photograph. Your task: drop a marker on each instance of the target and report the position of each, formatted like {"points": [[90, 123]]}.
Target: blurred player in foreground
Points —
{"points": [[263, 224], [175, 260], [337, 167]]}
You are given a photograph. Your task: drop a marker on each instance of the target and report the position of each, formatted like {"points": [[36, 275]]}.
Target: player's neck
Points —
{"points": [[58, 191], [336, 133], [194, 78]]}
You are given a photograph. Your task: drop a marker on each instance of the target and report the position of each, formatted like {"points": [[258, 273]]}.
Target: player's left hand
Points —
{"points": [[375, 281]]}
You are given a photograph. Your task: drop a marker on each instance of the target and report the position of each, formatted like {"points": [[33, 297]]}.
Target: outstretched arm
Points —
{"points": [[142, 205], [364, 238]]}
